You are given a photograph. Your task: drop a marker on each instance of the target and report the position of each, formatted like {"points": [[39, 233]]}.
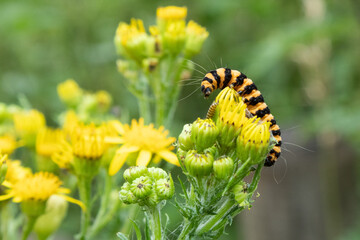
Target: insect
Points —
{"points": [[223, 77]]}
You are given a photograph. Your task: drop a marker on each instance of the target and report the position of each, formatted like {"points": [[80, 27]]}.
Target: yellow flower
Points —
{"points": [[47, 141], [27, 124], [195, 37], [131, 40], [69, 92], [146, 141], [103, 99], [171, 13], [7, 144], [71, 122], [37, 187], [254, 140], [15, 171], [63, 155], [87, 141], [174, 37]]}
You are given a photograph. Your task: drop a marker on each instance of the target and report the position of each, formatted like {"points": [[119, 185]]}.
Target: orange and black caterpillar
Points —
{"points": [[223, 77]]}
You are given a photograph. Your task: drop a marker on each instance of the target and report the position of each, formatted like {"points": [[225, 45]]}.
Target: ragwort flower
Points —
{"points": [[146, 141]]}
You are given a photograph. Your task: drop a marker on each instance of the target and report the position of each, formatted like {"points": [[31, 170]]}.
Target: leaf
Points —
{"points": [[184, 189], [122, 236], [137, 230]]}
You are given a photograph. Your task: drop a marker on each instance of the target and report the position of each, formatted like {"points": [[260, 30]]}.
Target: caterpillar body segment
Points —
{"points": [[223, 77]]}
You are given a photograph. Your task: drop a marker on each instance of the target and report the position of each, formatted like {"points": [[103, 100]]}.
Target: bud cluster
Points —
{"points": [[146, 186], [226, 140]]}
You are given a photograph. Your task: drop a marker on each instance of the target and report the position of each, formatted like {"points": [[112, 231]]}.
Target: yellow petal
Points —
{"points": [[63, 190], [120, 158], [6, 196], [73, 200], [118, 127], [143, 158], [114, 140], [169, 156]]}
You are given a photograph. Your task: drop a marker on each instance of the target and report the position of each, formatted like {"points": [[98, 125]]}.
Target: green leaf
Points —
{"points": [[122, 236], [137, 230]]}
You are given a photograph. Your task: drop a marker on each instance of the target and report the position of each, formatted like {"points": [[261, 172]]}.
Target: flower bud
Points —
{"points": [[49, 222], [141, 187], [70, 92], [198, 164], [165, 188], [184, 140], [181, 154], [204, 133], [240, 194], [253, 141], [195, 37], [223, 167], [125, 195], [152, 200], [133, 173], [157, 173]]}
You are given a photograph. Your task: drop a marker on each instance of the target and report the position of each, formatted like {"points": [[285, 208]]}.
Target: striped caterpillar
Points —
{"points": [[223, 77]]}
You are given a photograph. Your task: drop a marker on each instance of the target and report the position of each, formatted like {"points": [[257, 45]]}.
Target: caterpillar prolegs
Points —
{"points": [[223, 77]]}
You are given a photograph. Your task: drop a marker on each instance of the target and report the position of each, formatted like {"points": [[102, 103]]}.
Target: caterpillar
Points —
{"points": [[223, 77]]}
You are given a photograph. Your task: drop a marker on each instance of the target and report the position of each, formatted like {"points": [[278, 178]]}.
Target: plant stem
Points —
{"points": [[29, 227], [84, 184], [154, 220], [239, 175], [133, 210], [206, 227], [256, 179], [185, 230], [97, 225]]}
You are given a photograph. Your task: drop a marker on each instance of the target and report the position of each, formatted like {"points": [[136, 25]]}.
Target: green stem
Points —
{"points": [[209, 224], [239, 175], [144, 109], [256, 179], [29, 227], [187, 228], [84, 184], [154, 220], [98, 222], [5, 219]]}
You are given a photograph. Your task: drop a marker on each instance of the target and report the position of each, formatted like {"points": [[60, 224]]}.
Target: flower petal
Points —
{"points": [[143, 158], [6, 196], [120, 158], [63, 190], [73, 200], [169, 156], [114, 140]]}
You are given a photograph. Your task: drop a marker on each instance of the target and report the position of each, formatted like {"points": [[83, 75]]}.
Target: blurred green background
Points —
{"points": [[303, 55]]}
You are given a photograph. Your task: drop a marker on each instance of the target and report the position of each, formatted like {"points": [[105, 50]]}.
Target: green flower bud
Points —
{"points": [[141, 187], [133, 173], [184, 140], [157, 173], [213, 151], [33, 208], [223, 167], [181, 154], [204, 133], [239, 192], [165, 188], [125, 195], [253, 141], [152, 200], [49, 222], [198, 164]]}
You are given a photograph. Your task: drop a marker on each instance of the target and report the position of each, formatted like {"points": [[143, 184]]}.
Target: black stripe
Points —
{"points": [[278, 144], [277, 154], [273, 122], [228, 77], [240, 79], [272, 151], [216, 77], [203, 88], [276, 132], [207, 79], [255, 100], [248, 89], [268, 162]]}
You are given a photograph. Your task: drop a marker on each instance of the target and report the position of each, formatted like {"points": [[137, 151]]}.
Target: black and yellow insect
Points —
{"points": [[223, 77]]}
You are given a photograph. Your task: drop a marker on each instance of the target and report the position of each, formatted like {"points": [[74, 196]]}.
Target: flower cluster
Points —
{"points": [[154, 62], [146, 186], [216, 154]]}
